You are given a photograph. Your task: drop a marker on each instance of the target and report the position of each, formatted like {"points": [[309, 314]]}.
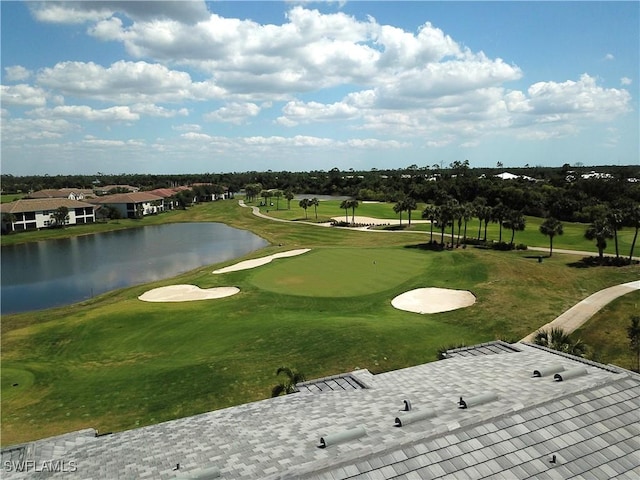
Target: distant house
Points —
{"points": [[133, 205], [31, 214], [168, 195], [70, 193], [511, 176]]}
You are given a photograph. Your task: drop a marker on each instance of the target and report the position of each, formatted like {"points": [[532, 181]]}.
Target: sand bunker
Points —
{"points": [[186, 293], [260, 261], [433, 300]]}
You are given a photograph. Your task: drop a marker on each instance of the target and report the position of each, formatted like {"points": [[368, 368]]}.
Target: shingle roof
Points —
{"points": [[588, 422], [41, 204]]}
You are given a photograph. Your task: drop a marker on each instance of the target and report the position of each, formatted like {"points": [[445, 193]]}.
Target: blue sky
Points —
{"points": [[195, 87]]}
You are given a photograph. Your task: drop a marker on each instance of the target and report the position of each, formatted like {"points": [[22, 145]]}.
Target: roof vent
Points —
{"points": [[200, 474], [407, 405], [477, 400], [340, 437], [414, 416], [546, 371], [574, 372]]}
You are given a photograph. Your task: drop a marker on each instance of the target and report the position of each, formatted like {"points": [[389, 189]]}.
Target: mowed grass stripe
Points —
{"points": [[341, 272]]}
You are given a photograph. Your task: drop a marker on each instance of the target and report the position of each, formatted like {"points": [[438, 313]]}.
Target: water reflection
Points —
{"points": [[59, 272]]}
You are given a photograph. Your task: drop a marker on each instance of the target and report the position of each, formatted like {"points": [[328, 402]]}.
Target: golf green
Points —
{"points": [[341, 272]]}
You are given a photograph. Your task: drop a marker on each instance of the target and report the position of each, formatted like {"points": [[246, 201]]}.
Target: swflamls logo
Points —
{"points": [[59, 466]]}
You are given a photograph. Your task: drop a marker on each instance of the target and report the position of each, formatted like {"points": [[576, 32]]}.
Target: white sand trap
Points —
{"points": [[433, 300], [186, 293], [257, 262]]}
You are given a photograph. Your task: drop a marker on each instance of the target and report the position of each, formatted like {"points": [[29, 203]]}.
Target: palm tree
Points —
{"points": [[485, 214], [288, 194], [498, 214], [600, 231], [345, 205], [305, 203], [478, 204], [467, 214], [400, 207], [289, 385], [353, 204], [515, 221], [551, 227], [615, 219], [410, 205], [557, 339], [430, 213], [278, 195], [315, 202], [447, 217], [633, 217]]}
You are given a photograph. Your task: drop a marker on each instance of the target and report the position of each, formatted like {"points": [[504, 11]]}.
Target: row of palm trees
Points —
{"points": [[452, 213]]}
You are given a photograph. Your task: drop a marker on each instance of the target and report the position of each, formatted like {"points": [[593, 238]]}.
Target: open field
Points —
{"points": [[115, 362]]}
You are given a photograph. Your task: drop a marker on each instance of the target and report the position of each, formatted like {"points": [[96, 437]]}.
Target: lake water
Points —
{"points": [[52, 273]]}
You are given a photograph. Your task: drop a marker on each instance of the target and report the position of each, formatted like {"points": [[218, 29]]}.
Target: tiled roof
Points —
{"points": [[163, 192], [136, 197], [482, 349], [41, 204], [588, 422], [345, 381]]}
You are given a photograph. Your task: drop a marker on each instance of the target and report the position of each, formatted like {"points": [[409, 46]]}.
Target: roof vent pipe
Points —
{"points": [[477, 400], [546, 371], [407, 405], [340, 437], [574, 372], [200, 474], [414, 416]]}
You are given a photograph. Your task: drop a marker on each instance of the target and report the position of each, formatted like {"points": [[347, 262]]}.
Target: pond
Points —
{"points": [[53, 273]]}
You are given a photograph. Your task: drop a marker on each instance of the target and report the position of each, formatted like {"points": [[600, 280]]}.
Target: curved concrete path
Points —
{"points": [[577, 315]]}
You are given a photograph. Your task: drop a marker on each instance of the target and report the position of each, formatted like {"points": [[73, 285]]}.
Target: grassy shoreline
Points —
{"points": [[115, 363]]}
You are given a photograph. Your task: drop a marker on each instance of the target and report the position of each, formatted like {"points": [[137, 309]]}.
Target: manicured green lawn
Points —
{"points": [[114, 362]]}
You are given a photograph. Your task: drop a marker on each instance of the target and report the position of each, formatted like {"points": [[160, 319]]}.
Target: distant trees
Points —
{"points": [[551, 227], [251, 191]]}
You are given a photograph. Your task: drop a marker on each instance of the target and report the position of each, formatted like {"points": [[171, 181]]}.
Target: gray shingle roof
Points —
{"points": [[589, 422]]}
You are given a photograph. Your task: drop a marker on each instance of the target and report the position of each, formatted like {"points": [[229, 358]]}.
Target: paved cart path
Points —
{"points": [[577, 315]]}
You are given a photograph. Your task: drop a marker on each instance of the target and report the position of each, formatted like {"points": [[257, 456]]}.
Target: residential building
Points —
{"points": [[71, 193], [133, 205], [494, 410], [31, 214]]}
